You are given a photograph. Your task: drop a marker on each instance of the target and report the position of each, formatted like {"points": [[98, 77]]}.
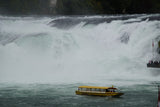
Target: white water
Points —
{"points": [[31, 51]]}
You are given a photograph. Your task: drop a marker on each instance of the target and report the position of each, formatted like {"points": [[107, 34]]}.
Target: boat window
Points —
{"points": [[93, 89], [97, 89], [107, 90], [103, 90], [80, 89], [87, 89], [111, 90], [114, 90], [83, 89]]}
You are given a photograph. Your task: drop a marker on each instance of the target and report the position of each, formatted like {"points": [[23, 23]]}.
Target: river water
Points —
{"points": [[45, 59]]}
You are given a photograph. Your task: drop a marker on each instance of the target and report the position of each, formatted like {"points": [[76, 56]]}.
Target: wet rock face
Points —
{"points": [[125, 38], [53, 3]]}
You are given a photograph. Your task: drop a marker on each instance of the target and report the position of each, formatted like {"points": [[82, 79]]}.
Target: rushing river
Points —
{"points": [[44, 59]]}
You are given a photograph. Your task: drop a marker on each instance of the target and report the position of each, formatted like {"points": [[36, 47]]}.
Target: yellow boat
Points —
{"points": [[98, 91]]}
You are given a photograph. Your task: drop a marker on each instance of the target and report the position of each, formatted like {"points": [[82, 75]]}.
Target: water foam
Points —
{"points": [[32, 51]]}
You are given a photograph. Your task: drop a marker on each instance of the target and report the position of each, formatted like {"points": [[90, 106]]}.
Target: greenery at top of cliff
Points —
{"points": [[107, 6], [24, 7], [79, 7]]}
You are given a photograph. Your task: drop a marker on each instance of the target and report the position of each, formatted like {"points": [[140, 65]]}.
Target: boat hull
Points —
{"points": [[113, 94], [152, 65]]}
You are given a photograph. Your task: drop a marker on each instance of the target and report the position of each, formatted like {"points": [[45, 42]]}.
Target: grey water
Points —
{"points": [[45, 59], [49, 95]]}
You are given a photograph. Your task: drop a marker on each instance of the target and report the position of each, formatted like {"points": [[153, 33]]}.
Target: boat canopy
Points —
{"points": [[97, 87]]}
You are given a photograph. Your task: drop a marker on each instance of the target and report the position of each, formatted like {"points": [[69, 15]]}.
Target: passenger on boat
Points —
{"points": [[156, 62], [151, 62]]}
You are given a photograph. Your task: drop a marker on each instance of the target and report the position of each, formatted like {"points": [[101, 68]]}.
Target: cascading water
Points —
{"points": [[99, 50], [34, 50]]}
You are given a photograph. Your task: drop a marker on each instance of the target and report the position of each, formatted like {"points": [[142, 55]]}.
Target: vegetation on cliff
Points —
{"points": [[24, 7], [69, 7], [108, 6]]}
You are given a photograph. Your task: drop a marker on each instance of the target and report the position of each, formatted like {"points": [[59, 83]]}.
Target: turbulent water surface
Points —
{"points": [[45, 59]]}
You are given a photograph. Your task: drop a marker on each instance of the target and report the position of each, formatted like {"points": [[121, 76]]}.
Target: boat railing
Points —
{"points": [[96, 91], [93, 91]]}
